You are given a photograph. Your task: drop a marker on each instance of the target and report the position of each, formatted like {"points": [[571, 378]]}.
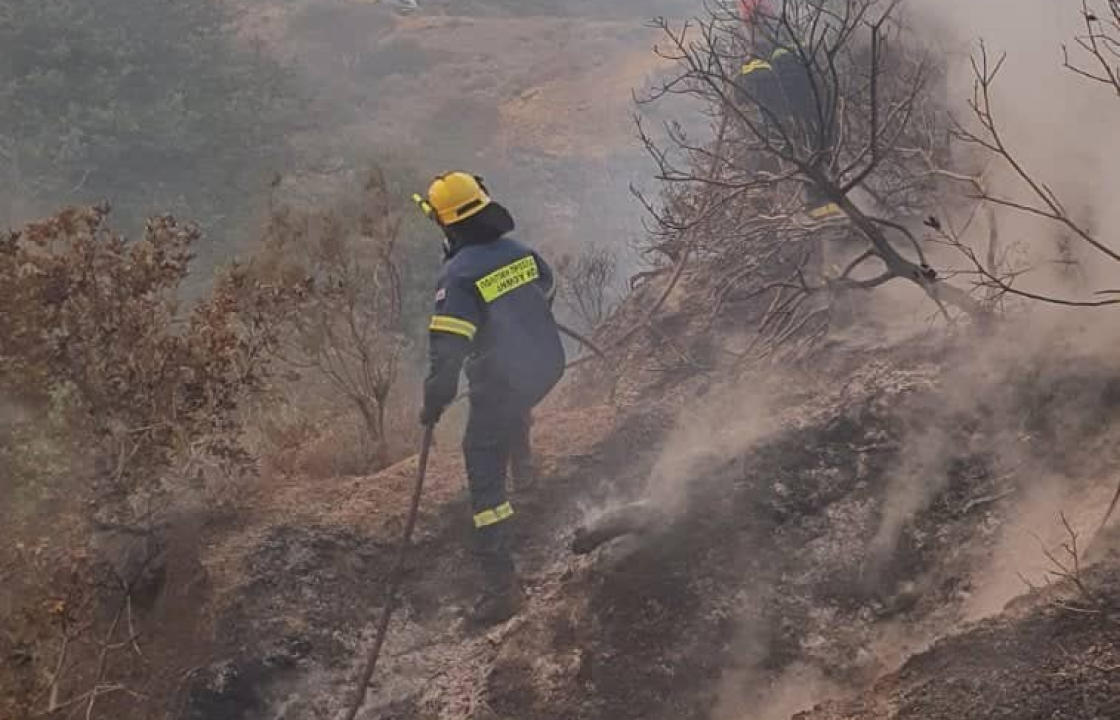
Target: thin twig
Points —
{"points": [[132, 630], [987, 499], [103, 655], [88, 696]]}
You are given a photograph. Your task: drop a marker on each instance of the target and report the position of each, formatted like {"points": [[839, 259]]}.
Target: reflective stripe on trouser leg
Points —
{"points": [[494, 515]]}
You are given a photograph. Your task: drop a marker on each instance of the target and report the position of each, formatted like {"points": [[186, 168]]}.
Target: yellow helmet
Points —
{"points": [[457, 196]]}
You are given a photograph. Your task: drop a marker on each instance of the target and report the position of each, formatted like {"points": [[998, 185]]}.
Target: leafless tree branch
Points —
{"points": [[1042, 202], [736, 200], [1100, 41]]}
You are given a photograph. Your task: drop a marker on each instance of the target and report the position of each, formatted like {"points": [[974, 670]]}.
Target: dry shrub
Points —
{"points": [[119, 407], [42, 618], [587, 285], [110, 393], [311, 440], [344, 341], [96, 345], [304, 431]]}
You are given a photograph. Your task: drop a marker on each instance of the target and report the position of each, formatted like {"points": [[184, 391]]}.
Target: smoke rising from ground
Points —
{"points": [[1020, 400], [723, 425], [1065, 130]]}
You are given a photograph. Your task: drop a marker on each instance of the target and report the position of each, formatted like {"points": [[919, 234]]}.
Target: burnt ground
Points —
{"points": [[771, 587], [772, 569], [1057, 658], [825, 541], [774, 542]]}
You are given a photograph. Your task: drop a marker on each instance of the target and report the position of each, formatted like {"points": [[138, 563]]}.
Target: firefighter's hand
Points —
{"points": [[429, 416]]}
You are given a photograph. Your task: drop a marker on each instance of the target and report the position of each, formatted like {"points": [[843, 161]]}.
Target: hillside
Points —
{"points": [[807, 552], [535, 96], [874, 496]]}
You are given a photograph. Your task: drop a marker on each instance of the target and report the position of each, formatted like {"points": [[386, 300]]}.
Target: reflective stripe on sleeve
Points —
{"points": [[493, 515], [454, 325], [755, 65]]}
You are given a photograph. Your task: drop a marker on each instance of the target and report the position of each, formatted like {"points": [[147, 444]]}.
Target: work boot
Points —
{"points": [[501, 598], [496, 606]]}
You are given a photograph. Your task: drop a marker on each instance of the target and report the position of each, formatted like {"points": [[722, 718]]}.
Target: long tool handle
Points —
{"points": [[581, 340], [394, 578]]}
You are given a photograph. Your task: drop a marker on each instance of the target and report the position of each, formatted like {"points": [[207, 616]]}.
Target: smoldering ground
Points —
{"points": [[1027, 407]]}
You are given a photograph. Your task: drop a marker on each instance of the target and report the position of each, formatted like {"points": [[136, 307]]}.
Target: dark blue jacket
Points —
{"points": [[493, 307], [779, 82]]}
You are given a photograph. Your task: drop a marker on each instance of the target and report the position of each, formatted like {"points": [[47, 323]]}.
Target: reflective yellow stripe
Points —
{"points": [[778, 53], [454, 325], [508, 278], [828, 210], [493, 515], [755, 65]]}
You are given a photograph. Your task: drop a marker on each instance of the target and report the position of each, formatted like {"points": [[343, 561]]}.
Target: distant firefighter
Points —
{"points": [[777, 79]]}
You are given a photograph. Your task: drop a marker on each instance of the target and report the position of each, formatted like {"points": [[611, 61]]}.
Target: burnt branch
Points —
{"points": [[1067, 566]]}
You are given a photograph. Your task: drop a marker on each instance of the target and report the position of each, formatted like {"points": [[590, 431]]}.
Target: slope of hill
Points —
{"points": [[840, 538], [812, 544]]}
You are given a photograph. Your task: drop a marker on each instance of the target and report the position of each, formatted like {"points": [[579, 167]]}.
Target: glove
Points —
{"points": [[430, 416]]}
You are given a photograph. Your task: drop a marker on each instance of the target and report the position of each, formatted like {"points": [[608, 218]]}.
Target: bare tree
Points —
{"points": [[863, 136], [1100, 43], [1098, 61], [1031, 195], [587, 285], [348, 327]]}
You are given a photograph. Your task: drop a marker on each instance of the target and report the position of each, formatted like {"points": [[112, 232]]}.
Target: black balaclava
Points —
{"points": [[487, 225]]}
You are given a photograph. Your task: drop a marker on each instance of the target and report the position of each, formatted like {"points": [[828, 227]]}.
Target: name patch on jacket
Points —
{"points": [[510, 277]]}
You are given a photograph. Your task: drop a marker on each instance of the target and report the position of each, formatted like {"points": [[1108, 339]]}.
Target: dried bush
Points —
{"points": [[94, 339], [109, 389], [587, 285], [347, 330]]}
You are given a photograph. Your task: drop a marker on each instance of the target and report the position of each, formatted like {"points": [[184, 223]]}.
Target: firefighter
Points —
{"points": [[777, 80], [493, 313]]}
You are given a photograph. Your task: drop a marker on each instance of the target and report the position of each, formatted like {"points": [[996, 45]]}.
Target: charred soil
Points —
{"points": [[778, 579]]}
